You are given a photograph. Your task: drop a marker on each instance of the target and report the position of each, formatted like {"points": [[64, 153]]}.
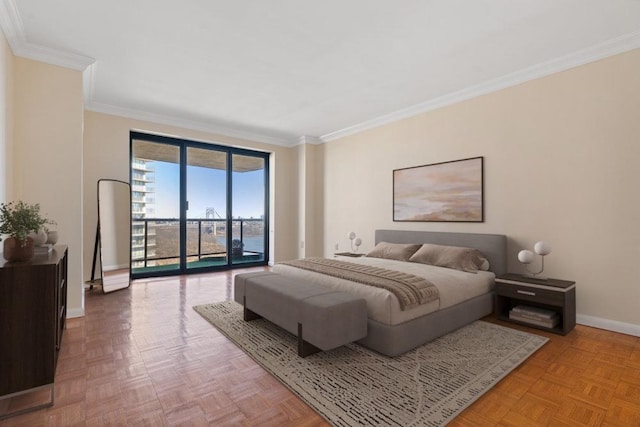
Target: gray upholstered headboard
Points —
{"points": [[493, 246]]}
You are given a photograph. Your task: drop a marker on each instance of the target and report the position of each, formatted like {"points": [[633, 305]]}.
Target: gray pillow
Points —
{"points": [[397, 251], [464, 259]]}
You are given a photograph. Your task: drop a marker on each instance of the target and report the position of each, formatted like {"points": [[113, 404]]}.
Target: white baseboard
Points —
{"points": [[76, 312], [115, 267], [609, 325]]}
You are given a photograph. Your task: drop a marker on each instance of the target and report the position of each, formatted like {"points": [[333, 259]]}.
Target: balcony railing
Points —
{"points": [[206, 240], [143, 177], [142, 165], [142, 188]]}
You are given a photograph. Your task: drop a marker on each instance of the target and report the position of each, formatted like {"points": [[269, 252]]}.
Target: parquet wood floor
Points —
{"points": [[142, 356]]}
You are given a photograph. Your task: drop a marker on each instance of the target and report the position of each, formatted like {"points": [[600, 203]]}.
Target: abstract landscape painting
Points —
{"points": [[449, 191]]}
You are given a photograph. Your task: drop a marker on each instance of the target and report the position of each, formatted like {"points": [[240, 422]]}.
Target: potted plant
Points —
{"points": [[18, 219], [237, 248]]}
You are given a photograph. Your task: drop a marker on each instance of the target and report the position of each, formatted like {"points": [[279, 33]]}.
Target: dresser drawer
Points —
{"points": [[528, 293]]}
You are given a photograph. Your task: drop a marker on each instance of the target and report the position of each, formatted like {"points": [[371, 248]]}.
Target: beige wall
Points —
{"points": [[106, 155], [310, 199], [6, 120], [314, 200], [562, 164], [47, 158], [301, 179]]}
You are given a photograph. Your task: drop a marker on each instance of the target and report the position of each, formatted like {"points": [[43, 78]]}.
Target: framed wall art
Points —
{"points": [[440, 192]]}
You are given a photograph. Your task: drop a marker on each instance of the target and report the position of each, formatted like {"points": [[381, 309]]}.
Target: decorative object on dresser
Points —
{"points": [[18, 220], [355, 241], [547, 304], [351, 385], [52, 237], [448, 191], [49, 243], [39, 237], [526, 257], [40, 246], [33, 310]]}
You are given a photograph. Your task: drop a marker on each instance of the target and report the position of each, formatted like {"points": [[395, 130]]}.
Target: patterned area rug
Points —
{"points": [[354, 386]]}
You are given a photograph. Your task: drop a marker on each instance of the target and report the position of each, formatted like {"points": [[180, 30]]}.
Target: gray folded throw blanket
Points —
{"points": [[410, 290]]}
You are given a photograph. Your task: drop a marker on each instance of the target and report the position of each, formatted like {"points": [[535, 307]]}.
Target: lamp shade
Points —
{"points": [[352, 235], [525, 256], [542, 248]]}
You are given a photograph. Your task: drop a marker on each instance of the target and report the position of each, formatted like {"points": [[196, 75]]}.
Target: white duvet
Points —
{"points": [[454, 286]]}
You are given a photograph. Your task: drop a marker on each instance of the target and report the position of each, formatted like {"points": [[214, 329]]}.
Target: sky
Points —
{"points": [[206, 188]]}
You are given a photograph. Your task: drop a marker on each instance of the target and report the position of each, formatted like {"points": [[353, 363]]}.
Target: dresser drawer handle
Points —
{"points": [[533, 294]]}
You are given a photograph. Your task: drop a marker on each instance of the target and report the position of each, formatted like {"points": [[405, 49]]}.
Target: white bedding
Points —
{"points": [[454, 286]]}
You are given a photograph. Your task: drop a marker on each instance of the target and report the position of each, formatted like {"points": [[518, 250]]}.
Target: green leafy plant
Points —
{"points": [[18, 219]]}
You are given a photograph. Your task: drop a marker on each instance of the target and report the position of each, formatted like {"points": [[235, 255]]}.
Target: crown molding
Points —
{"points": [[89, 85], [187, 124], [307, 139], [52, 56], [12, 27], [88, 82], [596, 52], [10, 22]]}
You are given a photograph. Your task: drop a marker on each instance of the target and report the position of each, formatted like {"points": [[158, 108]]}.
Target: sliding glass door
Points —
{"points": [[249, 236], [155, 199], [206, 207], [196, 206]]}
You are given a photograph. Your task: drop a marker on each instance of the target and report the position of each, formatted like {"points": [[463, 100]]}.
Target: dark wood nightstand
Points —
{"points": [[349, 254], [558, 296]]}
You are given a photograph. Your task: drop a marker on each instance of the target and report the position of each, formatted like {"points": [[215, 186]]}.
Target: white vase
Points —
{"points": [[38, 238], [52, 237]]}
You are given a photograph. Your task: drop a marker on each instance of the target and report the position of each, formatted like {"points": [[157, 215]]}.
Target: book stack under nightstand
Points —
{"points": [[535, 316]]}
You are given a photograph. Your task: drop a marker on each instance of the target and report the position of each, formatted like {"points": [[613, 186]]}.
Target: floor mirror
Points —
{"points": [[114, 233]]}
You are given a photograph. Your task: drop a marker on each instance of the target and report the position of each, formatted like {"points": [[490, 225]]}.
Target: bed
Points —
{"points": [[392, 331]]}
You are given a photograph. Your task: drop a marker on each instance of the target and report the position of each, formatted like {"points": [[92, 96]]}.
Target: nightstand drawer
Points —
{"points": [[528, 293]]}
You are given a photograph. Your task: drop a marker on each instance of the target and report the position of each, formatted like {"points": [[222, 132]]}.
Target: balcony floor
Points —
{"points": [[214, 261]]}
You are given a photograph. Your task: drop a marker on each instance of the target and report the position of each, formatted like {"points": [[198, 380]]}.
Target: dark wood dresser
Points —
{"points": [[33, 310]]}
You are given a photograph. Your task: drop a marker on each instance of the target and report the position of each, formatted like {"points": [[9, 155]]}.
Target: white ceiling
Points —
{"points": [[278, 70]]}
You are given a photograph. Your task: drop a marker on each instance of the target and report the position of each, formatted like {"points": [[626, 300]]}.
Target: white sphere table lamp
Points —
{"points": [[355, 241], [526, 257]]}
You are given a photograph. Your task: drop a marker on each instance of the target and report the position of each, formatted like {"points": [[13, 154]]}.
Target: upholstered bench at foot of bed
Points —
{"points": [[321, 318]]}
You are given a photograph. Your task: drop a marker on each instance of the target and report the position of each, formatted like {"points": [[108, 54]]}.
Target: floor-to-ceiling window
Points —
{"points": [[196, 206]]}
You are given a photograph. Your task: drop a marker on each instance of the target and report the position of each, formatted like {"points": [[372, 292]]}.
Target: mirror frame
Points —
{"points": [[119, 280]]}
